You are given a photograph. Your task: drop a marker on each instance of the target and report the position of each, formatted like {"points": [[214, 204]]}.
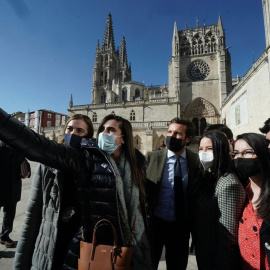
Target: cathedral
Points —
{"points": [[200, 86]]}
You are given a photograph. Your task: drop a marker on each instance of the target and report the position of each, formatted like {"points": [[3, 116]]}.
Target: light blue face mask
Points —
{"points": [[106, 142]]}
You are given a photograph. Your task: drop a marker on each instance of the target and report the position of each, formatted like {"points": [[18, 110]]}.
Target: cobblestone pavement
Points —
{"points": [[7, 254]]}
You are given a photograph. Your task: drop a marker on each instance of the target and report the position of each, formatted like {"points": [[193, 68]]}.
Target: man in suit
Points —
{"points": [[167, 201]]}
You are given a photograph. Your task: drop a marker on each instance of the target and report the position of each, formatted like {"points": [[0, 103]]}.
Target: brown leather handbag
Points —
{"points": [[95, 256]]}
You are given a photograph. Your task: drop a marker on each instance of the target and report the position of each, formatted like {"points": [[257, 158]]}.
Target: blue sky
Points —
{"points": [[47, 47]]}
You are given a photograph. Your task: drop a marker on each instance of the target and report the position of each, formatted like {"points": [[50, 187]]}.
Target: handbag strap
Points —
{"points": [[94, 240]]}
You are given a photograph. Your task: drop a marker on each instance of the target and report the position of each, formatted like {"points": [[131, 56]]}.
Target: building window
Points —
{"points": [[137, 142], [124, 95], [49, 116], [101, 61], [94, 119], [101, 78], [48, 123], [132, 116], [137, 94], [198, 70], [106, 78], [103, 98]]}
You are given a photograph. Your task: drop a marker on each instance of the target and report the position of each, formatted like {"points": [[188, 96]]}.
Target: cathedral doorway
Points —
{"points": [[202, 113]]}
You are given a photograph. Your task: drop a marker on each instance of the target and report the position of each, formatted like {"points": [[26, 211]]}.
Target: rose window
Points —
{"points": [[198, 70]]}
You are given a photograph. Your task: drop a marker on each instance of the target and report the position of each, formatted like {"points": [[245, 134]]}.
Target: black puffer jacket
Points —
{"points": [[93, 172], [96, 183]]}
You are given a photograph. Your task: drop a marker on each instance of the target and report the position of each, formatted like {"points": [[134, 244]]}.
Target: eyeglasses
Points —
{"points": [[248, 153]]}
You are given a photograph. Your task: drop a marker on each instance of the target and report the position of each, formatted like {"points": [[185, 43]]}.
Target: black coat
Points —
{"points": [[10, 179], [91, 169]]}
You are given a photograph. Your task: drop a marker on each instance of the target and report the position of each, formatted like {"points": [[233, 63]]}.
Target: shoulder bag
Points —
{"points": [[94, 256]]}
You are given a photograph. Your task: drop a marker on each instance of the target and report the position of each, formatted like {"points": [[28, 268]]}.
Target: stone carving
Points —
{"points": [[200, 108]]}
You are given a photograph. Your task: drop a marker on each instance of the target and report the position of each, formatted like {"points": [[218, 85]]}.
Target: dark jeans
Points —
{"points": [[9, 215], [176, 241]]}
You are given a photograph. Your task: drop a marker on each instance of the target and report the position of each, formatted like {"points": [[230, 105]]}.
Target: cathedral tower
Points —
{"points": [[200, 72], [110, 69]]}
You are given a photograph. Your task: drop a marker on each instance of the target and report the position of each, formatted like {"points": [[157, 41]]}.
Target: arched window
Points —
{"points": [[132, 115], [101, 78], [124, 94], [158, 93], [94, 119], [101, 61], [106, 78], [137, 94], [103, 98], [185, 47], [137, 142]]}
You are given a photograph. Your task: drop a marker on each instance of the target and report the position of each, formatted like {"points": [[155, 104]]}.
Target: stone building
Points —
{"points": [[247, 106], [199, 80], [200, 86]]}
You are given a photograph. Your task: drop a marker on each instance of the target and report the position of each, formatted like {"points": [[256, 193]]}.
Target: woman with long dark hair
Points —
{"points": [[251, 159], [109, 186], [216, 206]]}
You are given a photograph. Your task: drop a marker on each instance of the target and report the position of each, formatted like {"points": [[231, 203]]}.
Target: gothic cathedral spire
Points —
{"points": [[175, 40], [221, 33], [108, 41], [123, 54], [110, 69], [71, 102], [97, 48]]}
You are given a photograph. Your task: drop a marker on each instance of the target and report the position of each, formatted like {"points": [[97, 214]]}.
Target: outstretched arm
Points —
{"points": [[34, 146]]}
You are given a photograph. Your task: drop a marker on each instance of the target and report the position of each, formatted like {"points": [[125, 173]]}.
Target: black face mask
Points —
{"points": [[73, 140], [247, 166], [173, 144]]}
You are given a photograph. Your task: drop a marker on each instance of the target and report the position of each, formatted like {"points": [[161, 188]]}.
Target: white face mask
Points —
{"points": [[106, 142], [207, 159]]}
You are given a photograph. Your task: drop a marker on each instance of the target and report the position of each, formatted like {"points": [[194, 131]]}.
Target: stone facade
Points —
{"points": [[199, 79], [200, 86], [247, 107]]}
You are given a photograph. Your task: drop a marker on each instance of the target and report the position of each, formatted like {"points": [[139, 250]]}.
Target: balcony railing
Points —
{"points": [[144, 125]]}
